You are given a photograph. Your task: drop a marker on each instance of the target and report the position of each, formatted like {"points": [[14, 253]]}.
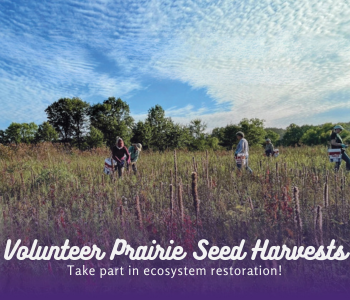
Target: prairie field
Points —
{"points": [[51, 193]]}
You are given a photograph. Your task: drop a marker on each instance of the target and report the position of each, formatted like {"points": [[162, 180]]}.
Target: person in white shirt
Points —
{"points": [[242, 147]]}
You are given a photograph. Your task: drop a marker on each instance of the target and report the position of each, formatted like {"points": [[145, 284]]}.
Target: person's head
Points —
{"points": [[119, 143], [338, 128], [268, 141], [240, 135], [138, 146]]}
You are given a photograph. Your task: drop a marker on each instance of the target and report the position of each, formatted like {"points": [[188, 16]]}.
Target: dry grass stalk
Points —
{"points": [[180, 202], [325, 195], [297, 216], [195, 194], [138, 211], [175, 169], [207, 165], [121, 213], [318, 226], [284, 194], [251, 205], [194, 164], [171, 200]]}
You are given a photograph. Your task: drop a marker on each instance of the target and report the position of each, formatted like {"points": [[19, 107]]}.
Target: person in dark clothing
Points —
{"points": [[120, 154], [337, 143], [268, 148]]}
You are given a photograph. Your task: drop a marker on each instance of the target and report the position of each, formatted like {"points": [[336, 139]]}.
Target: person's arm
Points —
{"points": [[114, 155], [244, 147], [127, 155], [238, 148], [334, 143]]}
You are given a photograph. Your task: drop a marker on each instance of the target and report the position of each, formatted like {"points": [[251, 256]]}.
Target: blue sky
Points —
{"points": [[221, 61]]}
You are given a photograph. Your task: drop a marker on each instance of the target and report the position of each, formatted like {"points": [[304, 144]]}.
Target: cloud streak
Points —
{"points": [[283, 61]]}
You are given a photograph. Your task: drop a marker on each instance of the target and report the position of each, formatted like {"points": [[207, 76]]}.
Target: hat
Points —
{"points": [[338, 127], [240, 133], [138, 146], [268, 140]]}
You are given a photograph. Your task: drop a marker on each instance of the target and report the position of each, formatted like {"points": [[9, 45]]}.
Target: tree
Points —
{"points": [[113, 119], [219, 133], [294, 133], [279, 131], [320, 135], [230, 137], [273, 136], [160, 127], [197, 128], [253, 130], [94, 138], [3, 137], [46, 133], [13, 133], [70, 118], [28, 132], [178, 137], [198, 136], [19, 133], [141, 133], [213, 143]]}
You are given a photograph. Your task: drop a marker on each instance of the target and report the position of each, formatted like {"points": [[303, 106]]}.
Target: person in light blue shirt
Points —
{"points": [[134, 151], [242, 147]]}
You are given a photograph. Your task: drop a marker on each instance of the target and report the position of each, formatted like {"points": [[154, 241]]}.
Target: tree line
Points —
{"points": [[76, 122]]}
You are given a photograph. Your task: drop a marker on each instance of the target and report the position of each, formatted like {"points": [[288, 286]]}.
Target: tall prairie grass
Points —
{"points": [[52, 193]]}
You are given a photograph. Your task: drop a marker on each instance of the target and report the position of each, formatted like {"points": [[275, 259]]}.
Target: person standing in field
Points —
{"points": [[120, 154], [243, 148], [268, 148], [337, 143], [134, 151]]}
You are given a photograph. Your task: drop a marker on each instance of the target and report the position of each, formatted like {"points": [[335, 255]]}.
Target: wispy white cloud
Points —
{"points": [[283, 61]]}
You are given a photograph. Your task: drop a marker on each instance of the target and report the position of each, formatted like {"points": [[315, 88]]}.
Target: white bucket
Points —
{"points": [[276, 152], [108, 169], [334, 155], [240, 159]]}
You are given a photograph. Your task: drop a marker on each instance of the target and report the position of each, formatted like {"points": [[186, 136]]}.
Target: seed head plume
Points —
{"points": [[318, 226], [180, 200], [138, 211], [195, 194], [297, 216]]}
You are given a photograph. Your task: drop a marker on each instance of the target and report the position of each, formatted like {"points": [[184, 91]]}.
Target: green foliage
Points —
{"points": [[279, 131], [19, 133], [273, 136], [142, 133], [160, 127], [178, 137], [46, 133], [113, 119], [94, 138], [3, 138], [253, 130], [199, 140], [70, 118], [294, 133], [13, 133], [85, 126]]}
